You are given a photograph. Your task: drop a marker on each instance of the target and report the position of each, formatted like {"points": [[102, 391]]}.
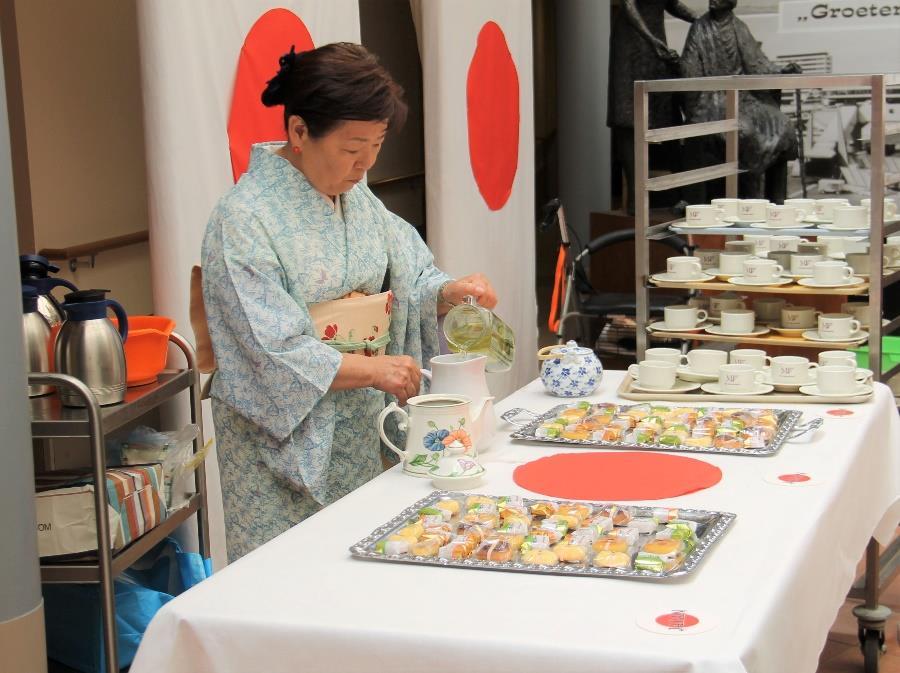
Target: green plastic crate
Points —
{"points": [[890, 354]]}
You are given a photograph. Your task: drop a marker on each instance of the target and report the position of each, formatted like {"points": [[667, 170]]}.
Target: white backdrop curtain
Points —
{"points": [[467, 230], [189, 57]]}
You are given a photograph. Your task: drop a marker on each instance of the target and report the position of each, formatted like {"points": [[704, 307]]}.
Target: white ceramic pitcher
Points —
{"points": [[433, 423], [460, 374]]}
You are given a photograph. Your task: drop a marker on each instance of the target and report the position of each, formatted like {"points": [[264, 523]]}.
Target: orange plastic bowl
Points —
{"points": [[146, 347]]}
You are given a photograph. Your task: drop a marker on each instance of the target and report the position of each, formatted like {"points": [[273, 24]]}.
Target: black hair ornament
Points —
{"points": [[274, 93]]}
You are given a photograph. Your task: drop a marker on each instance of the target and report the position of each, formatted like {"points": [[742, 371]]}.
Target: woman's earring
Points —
{"points": [[295, 149]]}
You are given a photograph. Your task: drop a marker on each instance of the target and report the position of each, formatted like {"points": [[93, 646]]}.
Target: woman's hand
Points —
{"points": [[476, 285], [398, 375]]}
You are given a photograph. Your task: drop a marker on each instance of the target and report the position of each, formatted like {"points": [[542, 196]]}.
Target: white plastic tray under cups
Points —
{"points": [[710, 528], [788, 427], [626, 392]]}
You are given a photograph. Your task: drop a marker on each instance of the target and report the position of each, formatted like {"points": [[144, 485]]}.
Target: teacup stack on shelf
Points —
{"points": [[834, 214], [744, 375]]}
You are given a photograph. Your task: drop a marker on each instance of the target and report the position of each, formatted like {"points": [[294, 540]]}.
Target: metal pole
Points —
{"points": [[801, 151], [101, 507], [876, 224], [196, 418], [641, 217], [732, 111]]}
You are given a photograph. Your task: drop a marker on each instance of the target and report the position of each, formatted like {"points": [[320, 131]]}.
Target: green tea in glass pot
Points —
{"points": [[471, 328]]}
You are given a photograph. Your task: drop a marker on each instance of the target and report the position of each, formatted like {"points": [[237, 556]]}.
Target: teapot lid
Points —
{"points": [[35, 266], [572, 348], [84, 296]]}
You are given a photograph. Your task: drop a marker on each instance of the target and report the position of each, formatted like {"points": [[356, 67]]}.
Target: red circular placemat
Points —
{"points": [[628, 475]]}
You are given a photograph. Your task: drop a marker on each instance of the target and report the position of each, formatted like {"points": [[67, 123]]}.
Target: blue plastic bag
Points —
{"points": [[72, 611]]}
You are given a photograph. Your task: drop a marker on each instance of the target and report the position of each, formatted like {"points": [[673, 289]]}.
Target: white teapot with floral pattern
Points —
{"points": [[570, 370], [433, 423]]}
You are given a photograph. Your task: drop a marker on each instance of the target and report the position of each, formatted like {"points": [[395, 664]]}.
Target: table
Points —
{"points": [[773, 584]]}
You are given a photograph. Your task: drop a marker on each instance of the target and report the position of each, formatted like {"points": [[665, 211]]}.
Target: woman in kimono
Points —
{"points": [[294, 401]]}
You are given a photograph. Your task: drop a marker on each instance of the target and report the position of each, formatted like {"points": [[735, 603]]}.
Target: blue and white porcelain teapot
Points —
{"points": [[570, 370]]}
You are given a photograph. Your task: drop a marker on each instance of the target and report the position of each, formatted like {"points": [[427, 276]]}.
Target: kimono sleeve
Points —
{"points": [[272, 369]]}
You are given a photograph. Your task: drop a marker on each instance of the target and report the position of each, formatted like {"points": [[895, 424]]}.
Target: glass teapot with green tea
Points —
{"points": [[471, 328]]}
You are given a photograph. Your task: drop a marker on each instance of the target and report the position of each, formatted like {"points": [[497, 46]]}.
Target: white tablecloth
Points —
{"points": [[773, 584]]}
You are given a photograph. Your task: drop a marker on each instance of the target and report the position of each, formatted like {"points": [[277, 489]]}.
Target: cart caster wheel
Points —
{"points": [[872, 644]]}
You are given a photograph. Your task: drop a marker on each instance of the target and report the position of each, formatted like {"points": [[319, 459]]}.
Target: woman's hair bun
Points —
{"points": [[276, 91]]}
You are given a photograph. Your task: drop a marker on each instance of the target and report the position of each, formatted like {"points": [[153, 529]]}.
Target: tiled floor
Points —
{"points": [[842, 653]]}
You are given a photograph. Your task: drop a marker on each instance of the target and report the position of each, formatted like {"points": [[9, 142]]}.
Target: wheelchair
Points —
{"points": [[576, 299]]}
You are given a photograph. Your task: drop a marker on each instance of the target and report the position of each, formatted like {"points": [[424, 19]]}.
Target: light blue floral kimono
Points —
{"points": [[273, 246]]}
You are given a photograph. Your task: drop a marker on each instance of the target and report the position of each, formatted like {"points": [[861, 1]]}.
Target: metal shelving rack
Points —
{"points": [[49, 419], [871, 616]]}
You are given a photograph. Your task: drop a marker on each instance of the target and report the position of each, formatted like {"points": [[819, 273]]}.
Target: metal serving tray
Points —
{"points": [[710, 528], [788, 428]]}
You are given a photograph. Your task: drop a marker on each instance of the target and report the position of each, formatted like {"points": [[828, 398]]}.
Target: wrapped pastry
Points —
{"points": [[544, 508], [549, 430], [554, 531], [427, 548], [644, 435], [579, 434], [434, 518], [571, 552], [600, 522], [610, 433], [479, 500], [655, 422], [473, 532], [448, 505], [702, 441], [580, 509], [494, 550], [442, 535], [644, 524], [611, 559], [396, 547], [630, 535], [619, 515], [538, 556], [412, 530], [485, 513], [624, 420], [535, 541], [509, 505], [727, 441], [665, 514], [611, 543], [574, 414], [455, 550], [660, 555]]}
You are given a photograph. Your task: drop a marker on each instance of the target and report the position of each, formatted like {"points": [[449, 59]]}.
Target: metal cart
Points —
{"points": [[879, 570]]}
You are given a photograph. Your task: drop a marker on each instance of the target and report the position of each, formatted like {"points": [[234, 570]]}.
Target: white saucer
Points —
{"points": [[813, 335], [666, 278], [734, 219], [718, 273], [788, 387], [695, 377], [797, 276], [758, 389], [660, 326], [679, 387], [767, 225], [685, 225], [851, 282], [758, 330], [742, 280], [834, 227], [812, 219], [789, 331], [861, 389]]}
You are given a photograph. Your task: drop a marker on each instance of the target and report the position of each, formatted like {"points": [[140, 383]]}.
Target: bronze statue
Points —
{"points": [[719, 44], [638, 51]]}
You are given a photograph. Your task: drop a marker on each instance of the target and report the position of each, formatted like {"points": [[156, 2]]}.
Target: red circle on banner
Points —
{"points": [[249, 121], [627, 475], [492, 107], [794, 478], [677, 620]]}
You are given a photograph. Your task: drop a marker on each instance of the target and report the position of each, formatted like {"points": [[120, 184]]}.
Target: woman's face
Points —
{"points": [[338, 160]]}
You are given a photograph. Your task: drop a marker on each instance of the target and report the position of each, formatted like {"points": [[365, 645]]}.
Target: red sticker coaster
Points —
{"points": [[627, 475], [840, 413], [677, 622], [793, 478]]}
